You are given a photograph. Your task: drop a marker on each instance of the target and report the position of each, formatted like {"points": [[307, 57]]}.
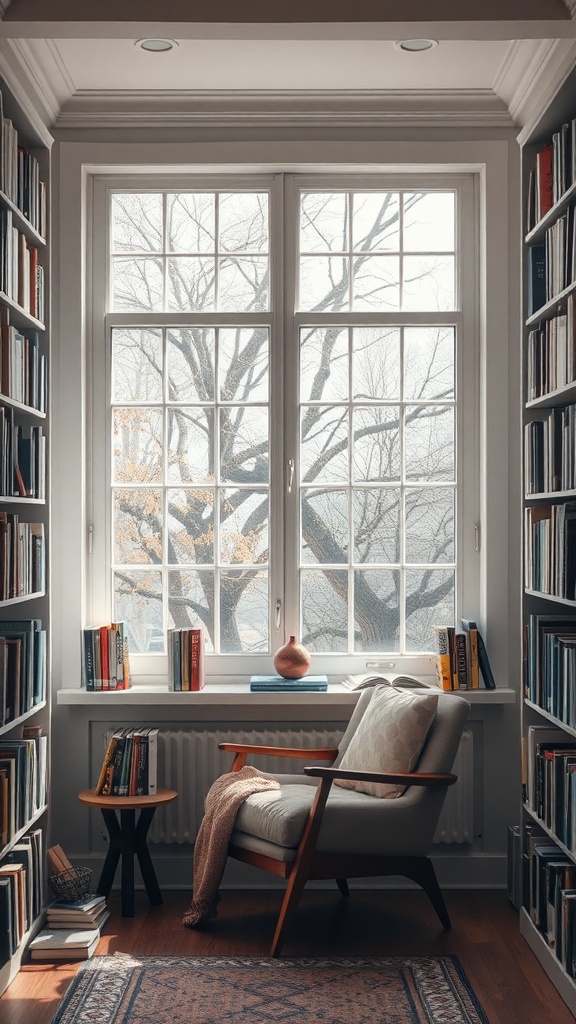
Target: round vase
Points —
{"points": [[292, 660]]}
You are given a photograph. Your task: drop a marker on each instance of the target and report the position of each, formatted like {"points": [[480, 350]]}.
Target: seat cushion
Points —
{"points": [[353, 823], [389, 738]]}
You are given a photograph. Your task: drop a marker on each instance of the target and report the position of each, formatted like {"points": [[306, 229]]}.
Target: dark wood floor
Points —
{"points": [[505, 975]]}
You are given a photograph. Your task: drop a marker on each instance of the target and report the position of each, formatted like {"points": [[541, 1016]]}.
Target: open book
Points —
{"points": [[371, 679]]}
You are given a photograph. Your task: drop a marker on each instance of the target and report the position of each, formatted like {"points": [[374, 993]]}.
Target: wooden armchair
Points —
{"points": [[310, 829]]}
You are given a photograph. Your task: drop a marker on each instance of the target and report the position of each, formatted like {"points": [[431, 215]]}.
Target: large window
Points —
{"points": [[284, 368]]}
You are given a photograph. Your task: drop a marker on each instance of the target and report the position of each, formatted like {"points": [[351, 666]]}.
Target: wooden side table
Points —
{"points": [[128, 837]]}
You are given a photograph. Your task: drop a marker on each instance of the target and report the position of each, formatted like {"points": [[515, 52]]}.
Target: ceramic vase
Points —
{"points": [[292, 660]]}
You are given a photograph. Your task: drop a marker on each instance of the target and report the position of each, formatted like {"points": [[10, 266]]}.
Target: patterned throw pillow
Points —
{"points": [[389, 738]]}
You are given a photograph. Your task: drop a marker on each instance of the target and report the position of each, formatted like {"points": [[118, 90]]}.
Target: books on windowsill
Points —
{"points": [[279, 684]]}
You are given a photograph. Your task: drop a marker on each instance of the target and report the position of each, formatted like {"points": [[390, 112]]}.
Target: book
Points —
{"points": [[443, 657], [483, 660], [279, 684], [471, 633], [88, 904], [461, 661], [544, 180], [537, 292], [64, 943], [362, 682], [197, 646]]}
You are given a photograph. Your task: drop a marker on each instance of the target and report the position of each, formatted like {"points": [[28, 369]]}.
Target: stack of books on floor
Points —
{"points": [[72, 930]]}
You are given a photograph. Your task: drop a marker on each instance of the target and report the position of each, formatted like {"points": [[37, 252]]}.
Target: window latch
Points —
{"points": [[278, 613], [290, 475]]}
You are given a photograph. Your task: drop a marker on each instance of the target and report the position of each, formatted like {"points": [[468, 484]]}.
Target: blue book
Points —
{"points": [[314, 684]]}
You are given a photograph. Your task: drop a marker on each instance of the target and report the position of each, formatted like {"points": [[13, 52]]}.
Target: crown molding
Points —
{"points": [[556, 64], [454, 108]]}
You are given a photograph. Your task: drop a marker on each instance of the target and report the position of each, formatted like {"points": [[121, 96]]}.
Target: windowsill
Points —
{"points": [[239, 694]]}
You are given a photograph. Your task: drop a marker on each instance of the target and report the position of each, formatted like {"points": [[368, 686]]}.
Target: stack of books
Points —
{"points": [[72, 930], [186, 651], [279, 684], [461, 657]]}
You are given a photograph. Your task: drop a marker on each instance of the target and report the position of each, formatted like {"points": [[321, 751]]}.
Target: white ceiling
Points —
{"points": [[93, 73]]}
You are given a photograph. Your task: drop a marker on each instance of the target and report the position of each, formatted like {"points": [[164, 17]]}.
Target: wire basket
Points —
{"points": [[71, 885]]}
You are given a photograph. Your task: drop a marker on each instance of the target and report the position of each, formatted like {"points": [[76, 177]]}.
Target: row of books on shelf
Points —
{"points": [[22, 667], [550, 549], [550, 665], [22, 458], [550, 895], [550, 451], [551, 780], [130, 764], [20, 175], [186, 647], [21, 273], [105, 659], [23, 777], [21, 891], [553, 173], [462, 658], [552, 263], [22, 557], [551, 353], [22, 367]]}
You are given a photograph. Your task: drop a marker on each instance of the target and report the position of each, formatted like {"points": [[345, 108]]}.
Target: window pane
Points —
{"points": [[191, 601], [430, 525], [429, 443], [375, 223], [428, 283], [324, 445], [243, 364], [376, 524], [190, 284], [376, 362], [191, 222], [376, 452], [324, 282], [137, 222], [190, 445], [136, 365], [324, 364], [137, 285], [325, 525], [243, 222], [190, 362], [377, 610], [429, 219], [244, 444], [324, 603], [429, 365], [244, 611], [190, 526], [243, 285], [138, 603], [324, 222], [243, 527], [376, 282], [429, 602], [137, 526], [137, 438]]}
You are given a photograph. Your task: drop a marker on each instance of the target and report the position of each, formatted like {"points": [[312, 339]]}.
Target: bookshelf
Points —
{"points": [[548, 716], [25, 713]]}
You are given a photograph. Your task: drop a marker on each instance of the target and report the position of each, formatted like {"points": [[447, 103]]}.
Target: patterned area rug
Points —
{"points": [[124, 989]]}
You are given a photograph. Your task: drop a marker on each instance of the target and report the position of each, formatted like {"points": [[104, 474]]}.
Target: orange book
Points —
{"points": [[104, 664]]}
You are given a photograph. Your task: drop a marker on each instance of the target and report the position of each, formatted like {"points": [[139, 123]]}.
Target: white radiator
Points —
{"points": [[189, 762]]}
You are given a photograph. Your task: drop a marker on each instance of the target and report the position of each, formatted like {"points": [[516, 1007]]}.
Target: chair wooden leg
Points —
{"points": [[343, 886], [294, 890], [426, 877]]}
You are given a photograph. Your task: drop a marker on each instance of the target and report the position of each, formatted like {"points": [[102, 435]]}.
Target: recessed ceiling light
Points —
{"points": [[416, 45], [155, 45]]}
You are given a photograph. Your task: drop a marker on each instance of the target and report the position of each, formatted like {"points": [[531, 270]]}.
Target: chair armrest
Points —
{"points": [[241, 751], [401, 778], [319, 754]]}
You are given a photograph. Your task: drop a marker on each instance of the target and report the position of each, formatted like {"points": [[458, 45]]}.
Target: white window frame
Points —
{"points": [[466, 319]]}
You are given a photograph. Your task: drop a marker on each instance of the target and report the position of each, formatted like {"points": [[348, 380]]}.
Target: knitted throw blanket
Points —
{"points": [[211, 848]]}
